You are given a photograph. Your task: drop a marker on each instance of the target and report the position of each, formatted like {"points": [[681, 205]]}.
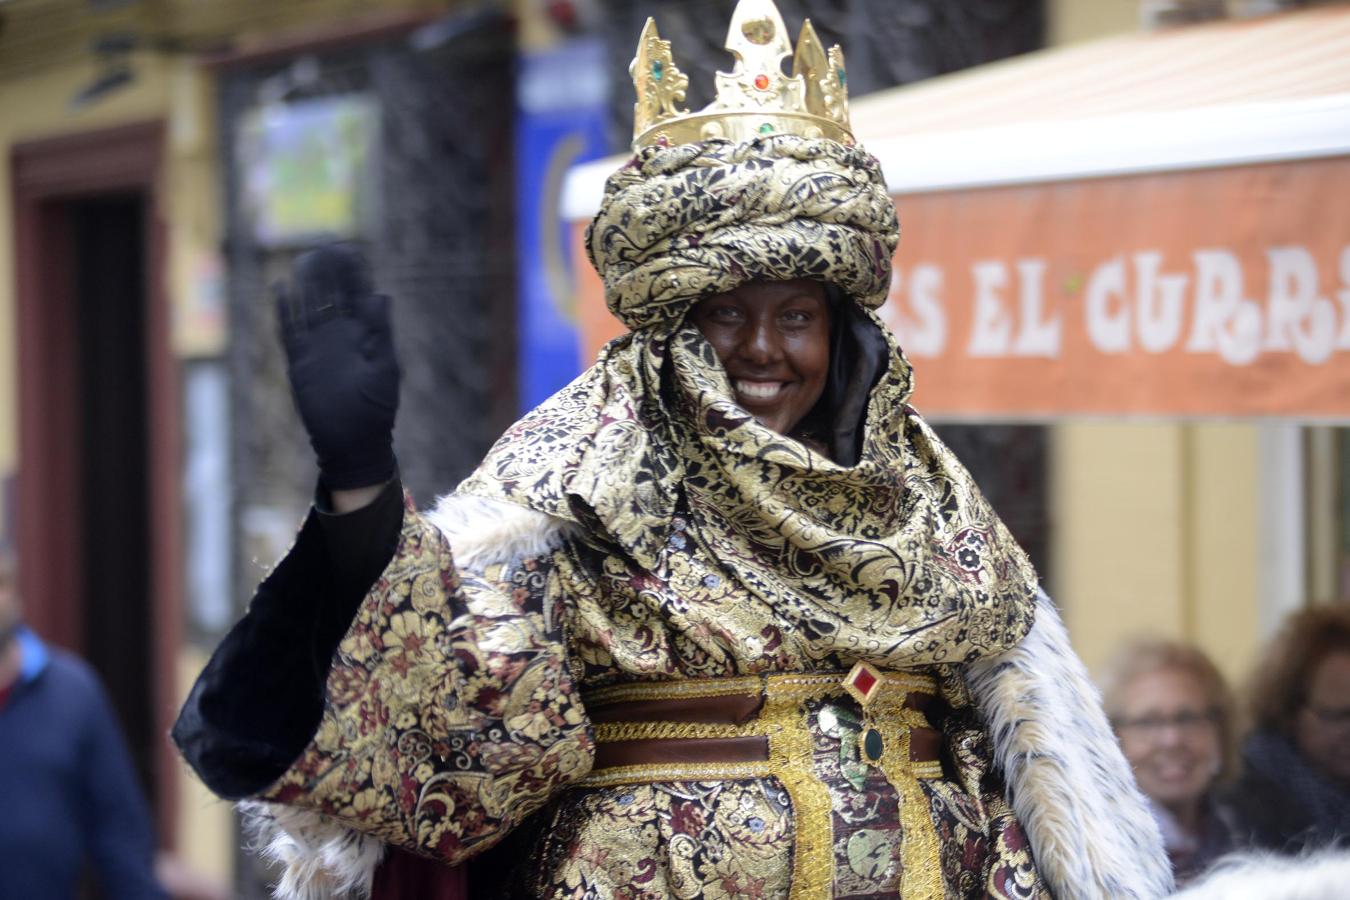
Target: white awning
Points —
{"points": [[1220, 94]]}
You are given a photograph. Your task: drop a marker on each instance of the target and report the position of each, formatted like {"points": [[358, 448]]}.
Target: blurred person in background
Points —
{"points": [[70, 797], [1174, 715], [1295, 787]]}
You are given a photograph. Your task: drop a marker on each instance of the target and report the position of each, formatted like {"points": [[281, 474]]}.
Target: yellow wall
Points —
{"points": [[1155, 531], [1223, 601], [38, 107], [1072, 21]]}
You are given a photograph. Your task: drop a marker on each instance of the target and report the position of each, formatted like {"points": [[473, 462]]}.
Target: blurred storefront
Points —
{"points": [[164, 162], [1133, 244]]}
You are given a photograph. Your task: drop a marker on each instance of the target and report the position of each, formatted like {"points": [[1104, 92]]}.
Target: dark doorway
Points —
{"points": [[109, 253], [99, 459]]}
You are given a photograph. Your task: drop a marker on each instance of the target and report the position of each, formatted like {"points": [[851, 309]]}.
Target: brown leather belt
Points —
{"points": [[728, 710]]}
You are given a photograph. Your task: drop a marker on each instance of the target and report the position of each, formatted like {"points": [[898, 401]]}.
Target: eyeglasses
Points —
{"points": [[1332, 718], [1189, 721]]}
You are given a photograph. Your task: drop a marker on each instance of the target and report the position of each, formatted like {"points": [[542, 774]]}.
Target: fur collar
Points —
{"points": [[1067, 781], [1268, 876]]}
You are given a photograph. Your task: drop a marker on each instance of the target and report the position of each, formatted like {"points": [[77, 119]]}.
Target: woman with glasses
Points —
{"points": [[1174, 716], [1295, 788]]}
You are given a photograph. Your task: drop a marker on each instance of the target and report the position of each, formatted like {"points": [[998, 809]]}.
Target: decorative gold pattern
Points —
{"points": [[449, 715], [678, 223], [922, 876], [659, 773], [753, 100], [641, 731], [784, 721], [898, 561], [661, 85], [672, 690]]}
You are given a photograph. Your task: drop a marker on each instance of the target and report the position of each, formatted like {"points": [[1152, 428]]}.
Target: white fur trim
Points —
{"points": [[1266, 876], [320, 858], [483, 532], [1068, 782]]}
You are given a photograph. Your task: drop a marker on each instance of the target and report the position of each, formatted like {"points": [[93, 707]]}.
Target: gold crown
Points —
{"points": [[756, 98]]}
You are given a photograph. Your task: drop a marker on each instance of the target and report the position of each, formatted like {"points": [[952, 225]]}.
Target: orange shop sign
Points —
{"points": [[1205, 292]]}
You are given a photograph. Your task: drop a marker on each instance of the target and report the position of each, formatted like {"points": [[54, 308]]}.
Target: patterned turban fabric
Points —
{"points": [[678, 223], [897, 554]]}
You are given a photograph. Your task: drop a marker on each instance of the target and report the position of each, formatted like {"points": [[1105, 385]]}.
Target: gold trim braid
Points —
{"points": [[609, 732]]}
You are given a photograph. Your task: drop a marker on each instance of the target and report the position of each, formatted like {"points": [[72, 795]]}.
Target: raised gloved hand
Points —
{"points": [[342, 366]]}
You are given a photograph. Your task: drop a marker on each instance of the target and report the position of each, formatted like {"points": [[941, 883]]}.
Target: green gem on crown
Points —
{"points": [[766, 128], [843, 79], [658, 69]]}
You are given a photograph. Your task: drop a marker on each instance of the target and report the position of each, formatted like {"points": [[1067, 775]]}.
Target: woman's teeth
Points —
{"points": [[758, 390]]}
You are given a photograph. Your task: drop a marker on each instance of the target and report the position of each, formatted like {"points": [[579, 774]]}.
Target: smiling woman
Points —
{"points": [[1174, 714], [773, 340]]}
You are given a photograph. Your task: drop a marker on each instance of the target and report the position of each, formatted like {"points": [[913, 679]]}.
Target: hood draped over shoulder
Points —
{"points": [[896, 558]]}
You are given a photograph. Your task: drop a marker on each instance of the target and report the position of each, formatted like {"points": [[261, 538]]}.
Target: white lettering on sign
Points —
{"points": [[1039, 334], [1225, 322], [924, 324], [1159, 303], [1108, 312], [1298, 319], [1343, 295], [992, 332], [1135, 302]]}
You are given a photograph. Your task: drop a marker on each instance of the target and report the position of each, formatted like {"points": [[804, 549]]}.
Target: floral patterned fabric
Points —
{"points": [[449, 715]]}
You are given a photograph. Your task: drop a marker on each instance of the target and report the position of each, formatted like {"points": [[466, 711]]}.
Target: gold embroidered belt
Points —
{"points": [[758, 726]]}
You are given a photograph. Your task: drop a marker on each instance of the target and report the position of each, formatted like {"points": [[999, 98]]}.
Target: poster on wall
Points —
{"points": [[562, 104], [307, 168]]}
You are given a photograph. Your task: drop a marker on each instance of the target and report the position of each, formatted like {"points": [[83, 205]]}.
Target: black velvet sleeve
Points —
{"points": [[259, 700]]}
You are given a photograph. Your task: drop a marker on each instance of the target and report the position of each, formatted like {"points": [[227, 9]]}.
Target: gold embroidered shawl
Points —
{"points": [[898, 559]]}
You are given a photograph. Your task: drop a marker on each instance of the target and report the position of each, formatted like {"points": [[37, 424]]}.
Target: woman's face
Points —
{"points": [[773, 340], [1170, 734], [1322, 729]]}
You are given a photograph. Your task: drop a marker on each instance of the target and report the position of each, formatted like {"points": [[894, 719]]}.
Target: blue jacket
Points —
{"points": [[68, 794]]}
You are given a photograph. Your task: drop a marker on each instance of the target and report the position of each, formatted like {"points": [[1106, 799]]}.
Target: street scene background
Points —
{"points": [[1123, 280]]}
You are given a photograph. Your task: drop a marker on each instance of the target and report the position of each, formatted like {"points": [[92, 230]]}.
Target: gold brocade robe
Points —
{"points": [[454, 715]]}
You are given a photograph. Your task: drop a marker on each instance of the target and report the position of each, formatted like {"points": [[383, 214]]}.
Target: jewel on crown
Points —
{"points": [[755, 99]]}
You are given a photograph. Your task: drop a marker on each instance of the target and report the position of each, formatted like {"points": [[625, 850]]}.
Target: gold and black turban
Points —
{"points": [[678, 223]]}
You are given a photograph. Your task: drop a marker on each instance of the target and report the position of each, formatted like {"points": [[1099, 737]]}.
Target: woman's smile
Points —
{"points": [[773, 340], [751, 392]]}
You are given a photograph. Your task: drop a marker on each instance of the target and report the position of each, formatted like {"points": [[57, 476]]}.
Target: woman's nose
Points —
{"points": [[761, 344]]}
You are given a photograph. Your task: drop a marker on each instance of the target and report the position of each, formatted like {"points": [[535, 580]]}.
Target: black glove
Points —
{"points": [[342, 365]]}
